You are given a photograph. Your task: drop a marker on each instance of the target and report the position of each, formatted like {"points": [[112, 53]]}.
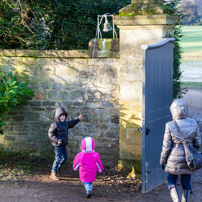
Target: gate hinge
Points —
{"points": [[147, 172]]}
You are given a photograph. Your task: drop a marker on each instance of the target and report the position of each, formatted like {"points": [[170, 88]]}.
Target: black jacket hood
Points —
{"points": [[58, 112]]}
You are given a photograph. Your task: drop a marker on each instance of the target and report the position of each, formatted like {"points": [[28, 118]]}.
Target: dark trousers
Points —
{"points": [[60, 158], [185, 181]]}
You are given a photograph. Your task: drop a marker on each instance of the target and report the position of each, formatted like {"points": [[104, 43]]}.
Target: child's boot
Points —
{"points": [[91, 187], [88, 193], [54, 176], [88, 190]]}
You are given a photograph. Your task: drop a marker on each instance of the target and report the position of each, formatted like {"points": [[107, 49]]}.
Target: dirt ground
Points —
{"points": [[108, 186]]}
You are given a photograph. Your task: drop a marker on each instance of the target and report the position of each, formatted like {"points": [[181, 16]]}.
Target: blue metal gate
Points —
{"points": [[157, 97]]}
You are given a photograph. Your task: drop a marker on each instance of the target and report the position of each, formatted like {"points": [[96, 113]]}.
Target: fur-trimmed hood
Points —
{"points": [[58, 112]]}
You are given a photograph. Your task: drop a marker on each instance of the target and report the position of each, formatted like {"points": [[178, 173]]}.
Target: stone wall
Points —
{"points": [[59, 78]]}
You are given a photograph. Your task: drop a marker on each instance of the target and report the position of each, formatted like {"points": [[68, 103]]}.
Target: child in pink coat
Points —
{"points": [[89, 163]]}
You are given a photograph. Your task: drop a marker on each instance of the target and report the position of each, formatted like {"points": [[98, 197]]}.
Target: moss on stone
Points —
{"points": [[130, 168], [140, 9]]}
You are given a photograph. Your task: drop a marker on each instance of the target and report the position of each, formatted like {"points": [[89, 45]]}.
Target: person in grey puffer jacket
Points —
{"points": [[58, 134], [173, 154]]}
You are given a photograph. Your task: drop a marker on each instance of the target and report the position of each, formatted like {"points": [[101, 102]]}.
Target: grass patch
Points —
{"points": [[192, 85], [191, 42], [15, 165]]}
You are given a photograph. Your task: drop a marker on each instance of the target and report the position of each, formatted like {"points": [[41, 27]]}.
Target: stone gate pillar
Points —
{"points": [[140, 23]]}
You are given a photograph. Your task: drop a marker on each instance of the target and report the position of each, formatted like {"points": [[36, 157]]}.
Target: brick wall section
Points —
{"points": [[59, 78]]}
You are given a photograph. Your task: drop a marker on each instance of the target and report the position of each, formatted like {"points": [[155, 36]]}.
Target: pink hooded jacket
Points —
{"points": [[88, 161]]}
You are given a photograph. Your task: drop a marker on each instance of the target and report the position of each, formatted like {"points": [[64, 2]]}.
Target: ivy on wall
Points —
{"points": [[13, 94], [178, 91]]}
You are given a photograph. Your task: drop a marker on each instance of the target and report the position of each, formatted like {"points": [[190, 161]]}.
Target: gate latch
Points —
{"points": [[147, 131], [139, 130]]}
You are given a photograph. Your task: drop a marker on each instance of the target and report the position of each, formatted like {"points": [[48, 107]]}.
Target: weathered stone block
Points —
{"points": [[93, 105], [39, 109], [16, 124], [64, 95], [106, 104], [61, 70], [72, 143], [35, 137], [9, 52], [103, 126], [108, 72], [35, 103], [45, 85], [78, 138], [47, 70], [136, 151], [79, 54], [109, 157], [76, 96], [66, 103], [133, 137], [40, 95], [47, 116], [91, 96], [115, 119], [17, 118], [53, 95], [10, 138], [32, 116], [103, 45], [77, 104], [11, 145], [7, 128], [57, 86], [13, 113], [48, 103], [33, 85], [77, 131], [93, 132], [111, 134], [108, 151], [20, 138], [115, 128], [88, 125]]}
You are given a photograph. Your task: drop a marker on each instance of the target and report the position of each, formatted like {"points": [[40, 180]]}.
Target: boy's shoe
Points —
{"points": [[59, 173], [88, 193], [54, 176]]}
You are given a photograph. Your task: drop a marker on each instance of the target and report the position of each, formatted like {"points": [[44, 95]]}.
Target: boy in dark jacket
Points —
{"points": [[58, 134]]}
